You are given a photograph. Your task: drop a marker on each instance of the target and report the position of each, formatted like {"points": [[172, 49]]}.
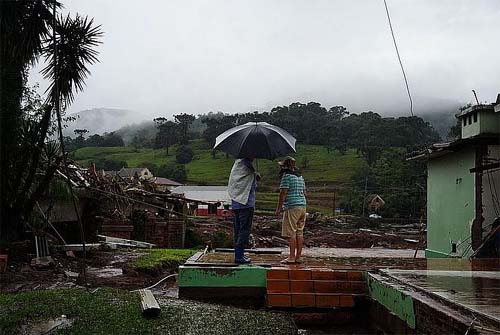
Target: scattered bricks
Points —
{"points": [[346, 301], [325, 287], [327, 300], [322, 275], [303, 300], [279, 300], [277, 273], [300, 274], [301, 286], [340, 275], [355, 275], [278, 286]]}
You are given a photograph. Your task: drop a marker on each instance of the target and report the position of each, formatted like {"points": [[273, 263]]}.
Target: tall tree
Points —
{"points": [[167, 133], [29, 31], [184, 121]]}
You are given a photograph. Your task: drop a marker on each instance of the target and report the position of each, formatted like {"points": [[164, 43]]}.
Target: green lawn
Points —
{"points": [[154, 258], [111, 311]]}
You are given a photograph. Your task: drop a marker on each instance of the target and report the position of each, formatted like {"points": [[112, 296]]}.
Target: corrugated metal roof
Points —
{"points": [[204, 193]]}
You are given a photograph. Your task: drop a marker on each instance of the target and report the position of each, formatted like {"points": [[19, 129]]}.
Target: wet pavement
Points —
{"points": [[334, 258], [478, 291]]}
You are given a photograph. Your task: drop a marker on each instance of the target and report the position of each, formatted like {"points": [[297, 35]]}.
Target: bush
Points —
{"points": [[184, 154], [173, 171]]}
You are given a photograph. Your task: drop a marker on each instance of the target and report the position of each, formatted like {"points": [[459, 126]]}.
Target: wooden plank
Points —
{"points": [[79, 247], [149, 305]]}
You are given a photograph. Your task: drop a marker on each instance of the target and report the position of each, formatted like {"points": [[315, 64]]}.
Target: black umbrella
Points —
{"points": [[256, 140]]}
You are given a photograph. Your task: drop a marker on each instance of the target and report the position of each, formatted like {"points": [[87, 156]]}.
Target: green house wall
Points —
{"points": [[488, 122], [450, 204]]}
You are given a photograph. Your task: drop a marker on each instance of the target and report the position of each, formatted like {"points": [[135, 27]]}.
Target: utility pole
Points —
{"points": [[364, 196], [334, 201]]}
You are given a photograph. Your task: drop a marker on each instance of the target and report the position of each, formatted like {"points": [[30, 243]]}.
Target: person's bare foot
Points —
{"points": [[288, 261]]}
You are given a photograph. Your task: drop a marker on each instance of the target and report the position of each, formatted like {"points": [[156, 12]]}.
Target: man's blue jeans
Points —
{"points": [[242, 226]]}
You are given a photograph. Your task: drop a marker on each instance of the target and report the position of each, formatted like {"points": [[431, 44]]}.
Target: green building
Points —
{"points": [[463, 184]]}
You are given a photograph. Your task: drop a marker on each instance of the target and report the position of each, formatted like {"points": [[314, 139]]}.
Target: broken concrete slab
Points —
{"points": [[125, 242]]}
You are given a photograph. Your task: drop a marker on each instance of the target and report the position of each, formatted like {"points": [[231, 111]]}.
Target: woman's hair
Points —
{"points": [[288, 170]]}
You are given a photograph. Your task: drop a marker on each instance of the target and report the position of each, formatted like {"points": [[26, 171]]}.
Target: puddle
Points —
{"points": [[105, 272], [477, 290], [47, 327]]}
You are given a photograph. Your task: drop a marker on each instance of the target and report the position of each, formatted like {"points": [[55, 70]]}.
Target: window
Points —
{"points": [[465, 121], [475, 117], [470, 119]]}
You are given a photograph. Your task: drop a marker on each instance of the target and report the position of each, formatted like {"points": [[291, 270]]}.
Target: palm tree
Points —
{"points": [[30, 31]]}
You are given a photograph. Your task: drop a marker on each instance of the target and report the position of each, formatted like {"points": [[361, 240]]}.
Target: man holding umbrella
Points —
{"points": [[241, 188], [247, 142]]}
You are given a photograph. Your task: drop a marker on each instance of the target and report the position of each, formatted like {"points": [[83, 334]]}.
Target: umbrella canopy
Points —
{"points": [[256, 140]]}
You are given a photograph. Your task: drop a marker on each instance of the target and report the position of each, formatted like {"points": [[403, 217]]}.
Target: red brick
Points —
{"points": [[327, 300], [322, 275], [340, 275], [358, 287], [346, 301], [278, 286], [303, 300], [344, 286], [301, 286], [279, 300], [325, 286], [355, 275], [277, 274], [300, 274]]}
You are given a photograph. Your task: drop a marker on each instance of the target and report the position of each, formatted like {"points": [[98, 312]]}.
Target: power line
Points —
{"points": [[399, 58]]}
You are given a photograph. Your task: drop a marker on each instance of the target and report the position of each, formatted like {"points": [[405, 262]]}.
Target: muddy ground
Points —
{"points": [[112, 269], [328, 232]]}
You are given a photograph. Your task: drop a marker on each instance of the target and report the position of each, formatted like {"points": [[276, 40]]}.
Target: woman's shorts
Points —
{"points": [[294, 220]]}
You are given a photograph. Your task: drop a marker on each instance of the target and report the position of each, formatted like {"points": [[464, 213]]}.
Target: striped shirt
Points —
{"points": [[296, 188]]}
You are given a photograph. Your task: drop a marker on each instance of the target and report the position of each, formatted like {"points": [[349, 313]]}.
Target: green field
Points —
{"points": [[317, 164]]}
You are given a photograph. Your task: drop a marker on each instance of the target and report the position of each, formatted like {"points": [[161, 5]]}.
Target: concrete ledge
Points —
{"points": [[214, 276]]}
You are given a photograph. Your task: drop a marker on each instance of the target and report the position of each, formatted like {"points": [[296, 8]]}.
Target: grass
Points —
{"points": [[112, 311], [317, 164], [154, 258]]}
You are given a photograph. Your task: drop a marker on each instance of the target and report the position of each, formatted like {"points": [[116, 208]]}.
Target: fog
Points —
{"points": [[165, 57]]}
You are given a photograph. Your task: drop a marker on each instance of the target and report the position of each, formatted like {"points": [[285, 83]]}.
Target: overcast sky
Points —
{"points": [[161, 57]]}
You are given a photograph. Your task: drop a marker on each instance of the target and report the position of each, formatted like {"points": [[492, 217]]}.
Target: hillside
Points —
{"points": [[322, 170]]}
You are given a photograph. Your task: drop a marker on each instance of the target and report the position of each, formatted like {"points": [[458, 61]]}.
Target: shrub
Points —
{"points": [[184, 154]]}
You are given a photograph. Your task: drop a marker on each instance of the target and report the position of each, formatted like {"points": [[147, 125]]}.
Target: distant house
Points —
{"points": [[164, 184], [463, 178], [135, 173], [216, 199], [375, 202]]}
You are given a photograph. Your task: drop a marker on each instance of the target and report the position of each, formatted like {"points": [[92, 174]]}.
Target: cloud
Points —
{"points": [[195, 56]]}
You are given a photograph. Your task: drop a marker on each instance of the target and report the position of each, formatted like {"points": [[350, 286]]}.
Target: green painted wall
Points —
{"points": [[450, 203], [487, 122], [392, 299], [241, 276], [490, 122]]}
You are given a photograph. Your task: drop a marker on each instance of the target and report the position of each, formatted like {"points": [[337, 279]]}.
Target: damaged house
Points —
{"points": [[463, 185]]}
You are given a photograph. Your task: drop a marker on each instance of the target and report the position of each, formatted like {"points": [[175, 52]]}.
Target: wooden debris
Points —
{"points": [[149, 305], [79, 247], [3, 263]]}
